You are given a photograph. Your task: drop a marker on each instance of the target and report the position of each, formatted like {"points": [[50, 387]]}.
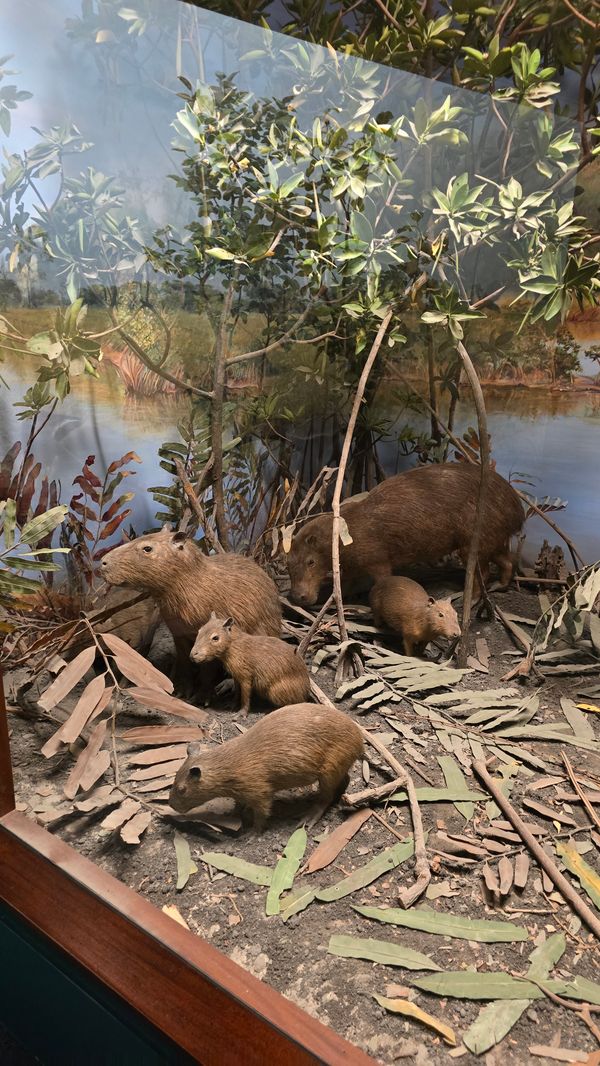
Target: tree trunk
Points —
{"points": [[216, 418]]}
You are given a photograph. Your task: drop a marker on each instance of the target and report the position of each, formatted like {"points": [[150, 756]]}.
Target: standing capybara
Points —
{"points": [[266, 666], [188, 585], [288, 748], [405, 607], [417, 517]]}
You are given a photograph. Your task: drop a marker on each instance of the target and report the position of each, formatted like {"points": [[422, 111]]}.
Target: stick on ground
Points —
{"points": [[547, 864]]}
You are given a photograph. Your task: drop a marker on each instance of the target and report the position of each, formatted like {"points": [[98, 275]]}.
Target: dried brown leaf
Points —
{"points": [[162, 701], [490, 880], [104, 796], [132, 831], [67, 679], [173, 912], [521, 870], [87, 755], [158, 755], [506, 875], [557, 1054], [117, 818], [166, 769], [95, 769], [549, 812], [135, 667], [70, 730], [334, 842], [162, 734]]}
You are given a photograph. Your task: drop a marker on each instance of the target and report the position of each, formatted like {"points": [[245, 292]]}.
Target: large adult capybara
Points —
{"points": [[188, 585], [413, 518], [288, 748], [404, 606], [265, 666]]}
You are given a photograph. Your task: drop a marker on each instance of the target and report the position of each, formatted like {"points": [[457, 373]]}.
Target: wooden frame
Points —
{"points": [[209, 1006]]}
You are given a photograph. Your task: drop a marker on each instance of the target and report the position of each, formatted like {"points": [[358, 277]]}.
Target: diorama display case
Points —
{"points": [[173, 997]]}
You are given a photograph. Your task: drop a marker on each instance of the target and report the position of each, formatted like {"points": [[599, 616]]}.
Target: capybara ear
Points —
{"points": [[213, 614], [194, 749], [166, 529], [228, 623], [180, 537], [430, 601]]}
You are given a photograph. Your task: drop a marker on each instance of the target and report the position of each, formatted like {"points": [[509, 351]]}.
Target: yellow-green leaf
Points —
{"points": [[411, 1010]]}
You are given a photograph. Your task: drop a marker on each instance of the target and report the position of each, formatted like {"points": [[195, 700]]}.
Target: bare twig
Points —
{"points": [[584, 1010], [484, 449], [216, 411], [337, 493], [306, 639], [407, 897], [358, 799], [582, 796], [547, 864], [197, 507]]}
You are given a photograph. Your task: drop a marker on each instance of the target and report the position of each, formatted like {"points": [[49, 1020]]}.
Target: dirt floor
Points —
{"points": [[293, 956]]}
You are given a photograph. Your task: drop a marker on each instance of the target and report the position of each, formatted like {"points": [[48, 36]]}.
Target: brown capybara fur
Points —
{"points": [[288, 748], [188, 585], [266, 666], [405, 607], [416, 517]]}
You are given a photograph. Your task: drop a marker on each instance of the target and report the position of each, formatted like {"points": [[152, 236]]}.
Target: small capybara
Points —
{"points": [[188, 585], [266, 666], [416, 517], [405, 607], [293, 746]]}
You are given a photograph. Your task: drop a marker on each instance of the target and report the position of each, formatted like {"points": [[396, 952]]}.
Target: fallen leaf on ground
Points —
{"points": [[297, 902], [410, 1010], [162, 734], [384, 951], [128, 808], [495, 1020], [229, 864], [67, 679], [132, 831], [521, 870], [286, 870], [185, 864], [365, 875], [443, 889], [85, 758], [429, 921], [587, 877], [171, 910], [558, 1054], [334, 842]]}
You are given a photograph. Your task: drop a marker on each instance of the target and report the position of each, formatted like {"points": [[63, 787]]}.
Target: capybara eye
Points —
{"points": [[310, 562], [147, 548], [215, 636]]}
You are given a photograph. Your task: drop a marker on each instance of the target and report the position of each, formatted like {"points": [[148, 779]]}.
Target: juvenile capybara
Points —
{"points": [[266, 666], [405, 607], [188, 585], [416, 517], [288, 748]]}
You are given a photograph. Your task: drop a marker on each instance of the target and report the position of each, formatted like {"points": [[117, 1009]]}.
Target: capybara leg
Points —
{"points": [[262, 810], [183, 673], [505, 562], [331, 787], [245, 690], [408, 644]]}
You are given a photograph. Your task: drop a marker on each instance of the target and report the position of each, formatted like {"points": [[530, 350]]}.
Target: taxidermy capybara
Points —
{"points": [[266, 666], [413, 518], [288, 748], [188, 585], [405, 607]]}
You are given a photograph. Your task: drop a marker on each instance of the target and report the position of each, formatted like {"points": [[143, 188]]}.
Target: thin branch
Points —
{"points": [[160, 371], [275, 344], [306, 639], [582, 796], [197, 507], [407, 897], [337, 494]]}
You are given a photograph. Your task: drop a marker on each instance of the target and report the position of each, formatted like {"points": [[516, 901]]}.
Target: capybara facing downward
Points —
{"points": [[188, 585], [416, 517], [404, 606], [288, 748], [266, 666]]}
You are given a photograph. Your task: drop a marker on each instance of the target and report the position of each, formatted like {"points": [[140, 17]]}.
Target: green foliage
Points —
{"points": [[21, 551]]}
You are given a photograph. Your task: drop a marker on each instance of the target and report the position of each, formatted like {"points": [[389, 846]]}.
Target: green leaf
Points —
{"points": [[286, 870], [229, 864], [15, 562], [495, 1020], [384, 951], [185, 864], [365, 875], [44, 524], [576, 864], [289, 185], [455, 778], [296, 902], [440, 795], [220, 253], [429, 921]]}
